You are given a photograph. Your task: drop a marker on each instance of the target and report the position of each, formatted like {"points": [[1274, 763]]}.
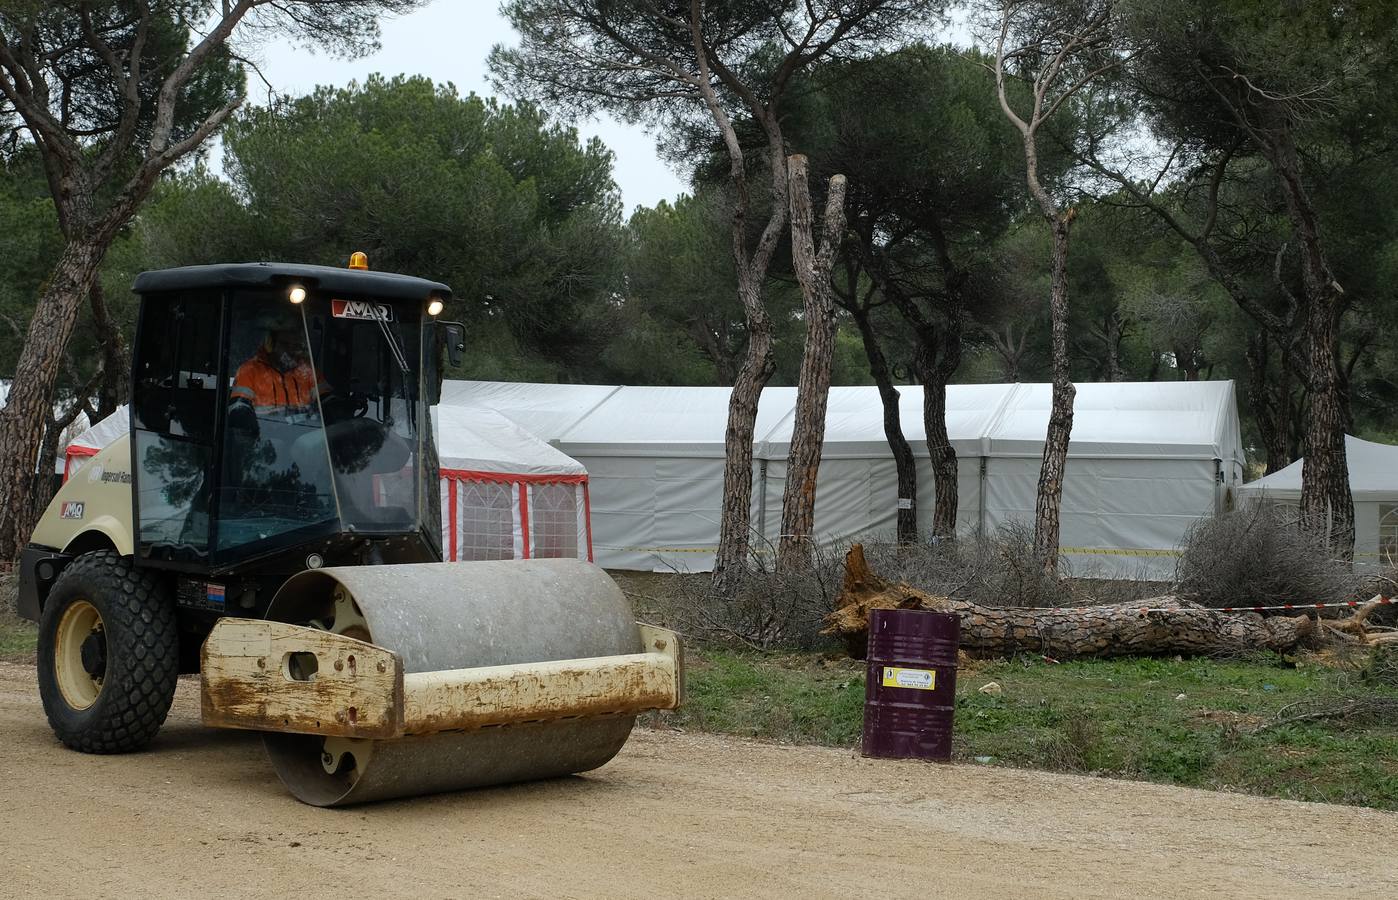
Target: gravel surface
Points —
{"points": [[202, 814]]}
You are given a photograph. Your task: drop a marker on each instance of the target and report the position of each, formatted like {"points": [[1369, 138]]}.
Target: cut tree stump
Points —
{"points": [[1160, 625]]}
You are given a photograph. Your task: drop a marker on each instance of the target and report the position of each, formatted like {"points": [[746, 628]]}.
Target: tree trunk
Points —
{"points": [[1186, 363], [1327, 506], [1011, 352], [813, 386], [1113, 335], [712, 347], [1162, 625], [735, 521], [1049, 498], [30, 402], [939, 448], [1154, 373], [116, 363], [903, 460], [736, 517]]}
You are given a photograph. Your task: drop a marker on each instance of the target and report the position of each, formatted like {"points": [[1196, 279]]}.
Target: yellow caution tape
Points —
{"points": [[657, 549], [1118, 551], [1098, 551]]}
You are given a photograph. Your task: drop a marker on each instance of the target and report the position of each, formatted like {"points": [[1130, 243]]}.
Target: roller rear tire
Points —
{"points": [[108, 654]]}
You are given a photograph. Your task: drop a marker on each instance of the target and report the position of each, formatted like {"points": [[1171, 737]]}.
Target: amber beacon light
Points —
{"points": [[358, 261]]}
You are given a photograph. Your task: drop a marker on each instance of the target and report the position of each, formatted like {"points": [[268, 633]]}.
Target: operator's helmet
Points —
{"points": [[284, 338]]}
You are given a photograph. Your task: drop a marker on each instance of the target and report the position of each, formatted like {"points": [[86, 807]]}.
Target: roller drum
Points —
{"points": [[439, 616]]}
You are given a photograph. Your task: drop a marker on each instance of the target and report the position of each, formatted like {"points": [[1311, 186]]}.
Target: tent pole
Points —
{"points": [[980, 514], [762, 498]]}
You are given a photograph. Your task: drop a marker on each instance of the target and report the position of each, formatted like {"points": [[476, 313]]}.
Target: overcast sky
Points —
{"points": [[448, 41]]}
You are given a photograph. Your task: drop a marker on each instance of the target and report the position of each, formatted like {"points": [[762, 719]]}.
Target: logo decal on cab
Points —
{"points": [[361, 309]]}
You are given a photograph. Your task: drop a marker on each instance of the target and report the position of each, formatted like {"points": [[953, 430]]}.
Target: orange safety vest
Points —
{"points": [[266, 389]]}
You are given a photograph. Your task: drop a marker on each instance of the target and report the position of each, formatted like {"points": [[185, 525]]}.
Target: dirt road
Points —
{"points": [[202, 814]]}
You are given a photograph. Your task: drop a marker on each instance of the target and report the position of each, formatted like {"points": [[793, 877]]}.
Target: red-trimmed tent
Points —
{"points": [[89, 442], [505, 493]]}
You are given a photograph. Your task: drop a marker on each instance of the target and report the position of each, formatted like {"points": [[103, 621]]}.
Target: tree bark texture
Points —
{"points": [[735, 520], [1327, 506], [736, 517], [1049, 498], [942, 455], [812, 267], [1161, 625], [1010, 350], [903, 461], [30, 403]]}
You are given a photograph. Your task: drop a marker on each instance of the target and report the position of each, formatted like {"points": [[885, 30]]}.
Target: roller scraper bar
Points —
{"points": [[271, 676]]}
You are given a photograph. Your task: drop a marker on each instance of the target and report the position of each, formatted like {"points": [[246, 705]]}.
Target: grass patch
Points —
{"points": [[799, 698], [17, 638], [1121, 718]]}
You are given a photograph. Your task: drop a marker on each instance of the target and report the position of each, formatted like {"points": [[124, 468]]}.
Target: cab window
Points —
{"points": [[276, 483], [176, 371]]}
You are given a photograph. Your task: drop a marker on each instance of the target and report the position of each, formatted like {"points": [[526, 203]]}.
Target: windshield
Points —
{"points": [[324, 414]]}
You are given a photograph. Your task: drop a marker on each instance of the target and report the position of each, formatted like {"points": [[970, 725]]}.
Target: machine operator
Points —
{"points": [[278, 380]]}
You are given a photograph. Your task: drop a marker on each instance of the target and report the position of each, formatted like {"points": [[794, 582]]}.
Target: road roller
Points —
{"points": [[272, 522]]}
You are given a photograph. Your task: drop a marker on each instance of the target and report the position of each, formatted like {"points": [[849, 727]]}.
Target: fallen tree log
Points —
{"points": [[1161, 625]]}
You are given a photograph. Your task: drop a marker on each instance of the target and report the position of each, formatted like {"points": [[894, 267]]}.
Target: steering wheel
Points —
{"points": [[338, 408]]}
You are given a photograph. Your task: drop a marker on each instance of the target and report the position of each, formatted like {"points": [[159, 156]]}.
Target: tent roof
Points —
{"points": [[545, 410], [481, 440], [1181, 419], [1187, 420], [1373, 473], [854, 420], [656, 421], [104, 432]]}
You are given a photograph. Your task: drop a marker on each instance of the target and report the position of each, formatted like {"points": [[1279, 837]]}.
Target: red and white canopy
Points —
{"points": [[505, 493]]}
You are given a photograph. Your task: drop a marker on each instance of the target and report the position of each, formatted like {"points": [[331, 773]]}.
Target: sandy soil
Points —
{"points": [[202, 814]]}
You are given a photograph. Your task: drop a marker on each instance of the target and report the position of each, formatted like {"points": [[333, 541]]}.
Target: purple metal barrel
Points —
{"points": [[910, 687]]}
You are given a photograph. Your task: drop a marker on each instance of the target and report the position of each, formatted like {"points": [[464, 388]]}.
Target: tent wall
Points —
{"points": [[657, 514], [499, 517], [1145, 462], [1120, 518], [1367, 520], [1373, 480], [859, 498]]}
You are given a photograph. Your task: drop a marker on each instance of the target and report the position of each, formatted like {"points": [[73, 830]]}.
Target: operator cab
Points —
{"points": [[284, 408]]}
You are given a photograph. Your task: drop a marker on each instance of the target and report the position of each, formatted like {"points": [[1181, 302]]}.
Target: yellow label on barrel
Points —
{"points": [[917, 679]]}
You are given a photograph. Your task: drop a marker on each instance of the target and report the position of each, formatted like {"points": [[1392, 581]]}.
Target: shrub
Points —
{"points": [[1260, 556]]}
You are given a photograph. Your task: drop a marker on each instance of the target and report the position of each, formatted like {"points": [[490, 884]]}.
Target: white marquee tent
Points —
{"points": [[1373, 480], [1146, 461], [505, 494]]}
